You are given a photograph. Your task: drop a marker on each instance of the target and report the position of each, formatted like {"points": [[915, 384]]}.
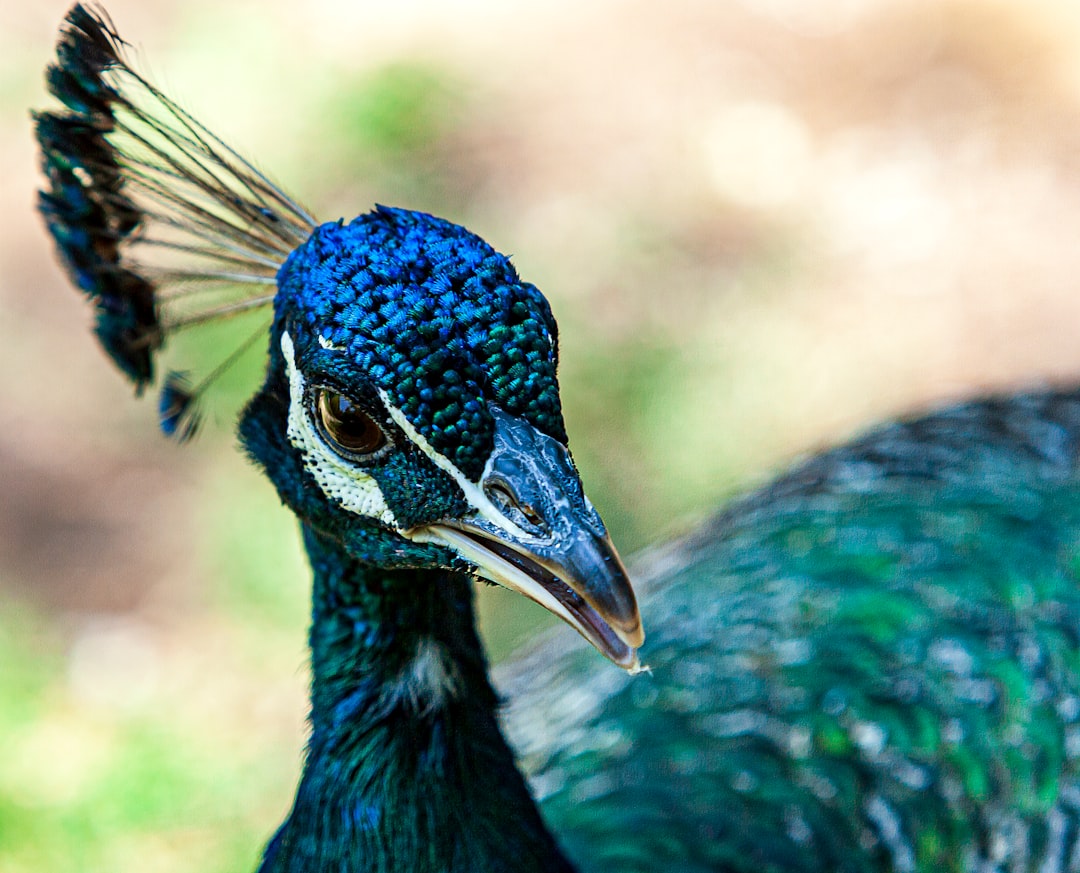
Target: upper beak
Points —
{"points": [[533, 530]]}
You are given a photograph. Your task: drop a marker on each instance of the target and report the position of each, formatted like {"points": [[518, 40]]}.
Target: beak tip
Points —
{"points": [[631, 663], [634, 635]]}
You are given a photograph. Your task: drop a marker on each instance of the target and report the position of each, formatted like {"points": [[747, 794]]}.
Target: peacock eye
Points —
{"points": [[346, 425]]}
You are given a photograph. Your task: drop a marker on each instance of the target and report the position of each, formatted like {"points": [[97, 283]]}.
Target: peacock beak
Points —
{"points": [[533, 530], [586, 586]]}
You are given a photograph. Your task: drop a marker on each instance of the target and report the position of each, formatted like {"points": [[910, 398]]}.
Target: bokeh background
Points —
{"points": [[762, 224]]}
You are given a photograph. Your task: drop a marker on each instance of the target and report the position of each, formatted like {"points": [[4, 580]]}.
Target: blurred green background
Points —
{"points": [[762, 225]]}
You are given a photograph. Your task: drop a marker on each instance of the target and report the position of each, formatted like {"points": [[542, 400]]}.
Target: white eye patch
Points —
{"points": [[343, 483]]}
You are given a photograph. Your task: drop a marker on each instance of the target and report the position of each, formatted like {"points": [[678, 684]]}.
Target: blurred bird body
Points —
{"points": [[870, 664]]}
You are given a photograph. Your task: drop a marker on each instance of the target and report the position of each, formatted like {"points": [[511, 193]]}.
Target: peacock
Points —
{"points": [[872, 663]]}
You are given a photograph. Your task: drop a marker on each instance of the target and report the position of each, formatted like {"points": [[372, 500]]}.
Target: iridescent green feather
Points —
{"points": [[870, 665]]}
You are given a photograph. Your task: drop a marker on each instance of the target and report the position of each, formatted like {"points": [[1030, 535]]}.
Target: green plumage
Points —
{"points": [[871, 664]]}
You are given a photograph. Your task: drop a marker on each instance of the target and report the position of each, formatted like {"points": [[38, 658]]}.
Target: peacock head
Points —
{"points": [[411, 411]]}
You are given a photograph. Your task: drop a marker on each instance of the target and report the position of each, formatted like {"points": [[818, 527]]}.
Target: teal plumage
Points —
{"points": [[868, 665], [445, 780]]}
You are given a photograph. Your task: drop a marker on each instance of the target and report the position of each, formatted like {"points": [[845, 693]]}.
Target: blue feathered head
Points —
{"points": [[435, 317]]}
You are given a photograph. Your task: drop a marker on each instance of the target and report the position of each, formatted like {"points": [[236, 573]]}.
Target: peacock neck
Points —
{"points": [[406, 768]]}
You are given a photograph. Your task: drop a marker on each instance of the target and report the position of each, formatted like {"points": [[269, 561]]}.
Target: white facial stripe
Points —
{"points": [[342, 482], [474, 495]]}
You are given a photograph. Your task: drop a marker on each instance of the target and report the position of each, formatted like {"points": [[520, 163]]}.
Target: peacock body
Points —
{"points": [[868, 665]]}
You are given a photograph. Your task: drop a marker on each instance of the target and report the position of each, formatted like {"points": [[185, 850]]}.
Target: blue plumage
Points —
{"points": [[433, 315], [176, 408]]}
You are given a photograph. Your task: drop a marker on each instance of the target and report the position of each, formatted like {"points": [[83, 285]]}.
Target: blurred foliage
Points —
{"points": [[391, 114], [93, 788], [393, 126], [255, 544]]}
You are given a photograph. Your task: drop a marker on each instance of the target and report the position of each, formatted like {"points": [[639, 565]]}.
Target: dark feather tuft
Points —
{"points": [[178, 408], [84, 205], [88, 46], [159, 222]]}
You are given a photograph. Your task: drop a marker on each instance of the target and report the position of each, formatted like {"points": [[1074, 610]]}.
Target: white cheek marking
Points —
{"points": [[474, 495], [342, 482]]}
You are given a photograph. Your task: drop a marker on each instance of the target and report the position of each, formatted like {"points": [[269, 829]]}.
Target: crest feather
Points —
{"points": [[159, 222]]}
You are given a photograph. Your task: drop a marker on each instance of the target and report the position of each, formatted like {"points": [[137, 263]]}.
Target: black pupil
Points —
{"points": [[347, 424]]}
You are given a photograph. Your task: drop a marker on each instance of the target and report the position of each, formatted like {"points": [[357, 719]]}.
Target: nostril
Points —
{"points": [[499, 494], [509, 504]]}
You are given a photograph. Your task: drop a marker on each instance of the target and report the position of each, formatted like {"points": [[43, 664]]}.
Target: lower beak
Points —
{"points": [[582, 581]]}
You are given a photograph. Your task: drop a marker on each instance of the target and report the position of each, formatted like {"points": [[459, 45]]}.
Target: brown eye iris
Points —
{"points": [[347, 425]]}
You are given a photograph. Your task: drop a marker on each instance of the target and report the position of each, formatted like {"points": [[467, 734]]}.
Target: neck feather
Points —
{"points": [[406, 768]]}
